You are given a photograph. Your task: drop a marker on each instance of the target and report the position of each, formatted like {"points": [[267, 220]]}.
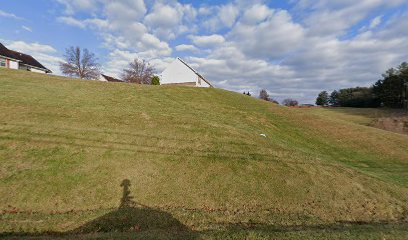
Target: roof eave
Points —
{"points": [[11, 58], [192, 69], [43, 69]]}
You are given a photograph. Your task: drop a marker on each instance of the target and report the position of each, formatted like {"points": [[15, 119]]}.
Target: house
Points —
{"points": [[180, 73], [106, 78], [16, 60]]}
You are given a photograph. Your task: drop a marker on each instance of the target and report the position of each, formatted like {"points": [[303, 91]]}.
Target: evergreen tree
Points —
{"points": [[322, 99], [334, 99], [392, 89]]}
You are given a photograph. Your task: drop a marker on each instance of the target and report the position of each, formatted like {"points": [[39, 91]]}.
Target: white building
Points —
{"points": [[16, 60], [180, 73], [106, 78]]}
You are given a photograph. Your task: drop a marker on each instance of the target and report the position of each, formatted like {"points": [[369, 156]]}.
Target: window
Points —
{"points": [[3, 62]]}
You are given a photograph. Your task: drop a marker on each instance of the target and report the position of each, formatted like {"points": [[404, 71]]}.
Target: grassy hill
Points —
{"points": [[394, 120], [111, 160]]}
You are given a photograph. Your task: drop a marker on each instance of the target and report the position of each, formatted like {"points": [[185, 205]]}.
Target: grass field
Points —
{"points": [[86, 159], [395, 120]]}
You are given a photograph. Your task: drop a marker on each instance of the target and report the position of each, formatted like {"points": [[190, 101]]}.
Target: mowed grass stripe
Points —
{"points": [[139, 144]]}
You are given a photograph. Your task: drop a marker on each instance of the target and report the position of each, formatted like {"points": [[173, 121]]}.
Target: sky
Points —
{"points": [[293, 49]]}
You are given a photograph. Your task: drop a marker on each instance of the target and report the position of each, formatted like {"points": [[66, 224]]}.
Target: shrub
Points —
{"points": [[155, 80]]}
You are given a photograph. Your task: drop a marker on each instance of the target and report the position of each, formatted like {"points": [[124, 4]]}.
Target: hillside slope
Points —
{"points": [[193, 154], [394, 120]]}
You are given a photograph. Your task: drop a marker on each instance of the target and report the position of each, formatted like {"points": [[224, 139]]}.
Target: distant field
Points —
{"points": [[394, 120], [85, 159]]}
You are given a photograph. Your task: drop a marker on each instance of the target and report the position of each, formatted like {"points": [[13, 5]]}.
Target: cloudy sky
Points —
{"points": [[293, 48]]}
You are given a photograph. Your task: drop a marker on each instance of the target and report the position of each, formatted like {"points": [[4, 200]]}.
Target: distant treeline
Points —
{"points": [[390, 91]]}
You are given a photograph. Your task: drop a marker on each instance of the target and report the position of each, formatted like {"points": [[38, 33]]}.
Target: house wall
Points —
{"points": [[13, 64], [102, 79], [202, 83], [37, 70], [23, 67], [185, 84], [31, 69], [177, 72], [8, 63], [3, 62]]}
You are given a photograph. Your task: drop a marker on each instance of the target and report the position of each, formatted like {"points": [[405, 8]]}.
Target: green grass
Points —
{"points": [[196, 162], [363, 116]]}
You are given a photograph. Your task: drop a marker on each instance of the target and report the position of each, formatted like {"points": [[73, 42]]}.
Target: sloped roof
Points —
{"points": [[111, 79], [6, 53], [192, 69], [23, 58]]}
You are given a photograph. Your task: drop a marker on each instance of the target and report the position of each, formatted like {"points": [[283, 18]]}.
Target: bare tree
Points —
{"points": [[290, 102], [82, 64], [263, 94], [139, 71]]}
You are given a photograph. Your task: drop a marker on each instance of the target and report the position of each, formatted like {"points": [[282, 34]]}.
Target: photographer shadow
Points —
{"points": [[135, 217]]}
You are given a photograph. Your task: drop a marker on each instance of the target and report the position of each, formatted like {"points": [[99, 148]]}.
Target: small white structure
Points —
{"points": [[106, 78], [180, 73]]}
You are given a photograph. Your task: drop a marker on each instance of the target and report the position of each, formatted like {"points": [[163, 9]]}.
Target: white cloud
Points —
{"points": [[28, 29], [120, 27], [272, 38], [256, 14], [92, 22], [163, 16], [167, 21], [71, 6], [375, 22], [208, 41], [334, 17], [225, 16], [205, 10], [186, 47], [228, 14], [31, 47], [72, 22], [9, 15], [124, 12]]}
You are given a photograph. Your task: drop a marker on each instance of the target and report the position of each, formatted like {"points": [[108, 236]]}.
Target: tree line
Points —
{"points": [[264, 95], [83, 64], [390, 91]]}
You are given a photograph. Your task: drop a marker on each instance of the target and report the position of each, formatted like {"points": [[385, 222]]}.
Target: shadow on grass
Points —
{"points": [[130, 218]]}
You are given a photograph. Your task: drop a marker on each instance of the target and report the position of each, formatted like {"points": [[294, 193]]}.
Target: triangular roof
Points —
{"points": [[7, 53], [21, 57], [111, 79], [192, 69]]}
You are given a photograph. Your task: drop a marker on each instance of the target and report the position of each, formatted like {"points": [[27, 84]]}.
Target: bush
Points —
{"points": [[290, 102], [155, 80]]}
